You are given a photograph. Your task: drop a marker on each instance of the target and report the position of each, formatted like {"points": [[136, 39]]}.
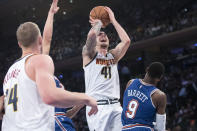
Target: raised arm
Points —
{"points": [[88, 51], [123, 46], [48, 28], [44, 78]]}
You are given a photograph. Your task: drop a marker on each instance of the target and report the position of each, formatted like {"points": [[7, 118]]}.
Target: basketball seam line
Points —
{"points": [[99, 12]]}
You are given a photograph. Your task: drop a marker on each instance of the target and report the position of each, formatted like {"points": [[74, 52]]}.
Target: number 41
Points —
{"points": [[106, 71]]}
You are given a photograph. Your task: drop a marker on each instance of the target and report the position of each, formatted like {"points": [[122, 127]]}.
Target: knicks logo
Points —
{"points": [[105, 62]]}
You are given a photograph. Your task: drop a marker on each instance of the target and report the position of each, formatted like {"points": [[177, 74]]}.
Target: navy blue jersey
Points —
{"points": [[62, 123], [138, 108]]}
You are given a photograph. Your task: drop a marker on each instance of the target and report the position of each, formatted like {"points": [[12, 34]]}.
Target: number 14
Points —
{"points": [[13, 99]]}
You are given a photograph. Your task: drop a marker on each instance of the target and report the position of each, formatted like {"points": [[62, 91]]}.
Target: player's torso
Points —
{"points": [[137, 104], [101, 77], [24, 108]]}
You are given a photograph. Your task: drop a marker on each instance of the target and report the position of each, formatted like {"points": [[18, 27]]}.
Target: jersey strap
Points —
{"points": [[91, 60]]}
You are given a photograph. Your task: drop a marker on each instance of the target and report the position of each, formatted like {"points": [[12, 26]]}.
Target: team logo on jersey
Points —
{"points": [[105, 62]]}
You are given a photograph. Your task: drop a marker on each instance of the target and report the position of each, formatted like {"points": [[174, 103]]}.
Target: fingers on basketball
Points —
{"points": [[99, 12]]}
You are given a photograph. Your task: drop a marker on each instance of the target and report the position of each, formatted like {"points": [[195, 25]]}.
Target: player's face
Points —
{"points": [[102, 40]]}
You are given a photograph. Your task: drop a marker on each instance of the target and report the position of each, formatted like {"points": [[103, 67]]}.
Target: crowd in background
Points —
{"points": [[69, 40]]}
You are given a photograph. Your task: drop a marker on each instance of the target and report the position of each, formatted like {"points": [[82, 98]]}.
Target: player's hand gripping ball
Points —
{"points": [[100, 13]]}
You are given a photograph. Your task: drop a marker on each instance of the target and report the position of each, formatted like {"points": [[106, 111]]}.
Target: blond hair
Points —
{"points": [[27, 33]]}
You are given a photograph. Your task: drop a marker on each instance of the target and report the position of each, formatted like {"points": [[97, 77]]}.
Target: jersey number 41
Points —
{"points": [[106, 71]]}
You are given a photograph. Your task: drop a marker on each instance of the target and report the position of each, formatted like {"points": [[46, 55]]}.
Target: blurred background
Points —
{"points": [[160, 30]]}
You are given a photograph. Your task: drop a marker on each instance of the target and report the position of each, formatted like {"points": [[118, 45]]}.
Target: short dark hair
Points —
{"points": [[156, 70], [27, 33]]}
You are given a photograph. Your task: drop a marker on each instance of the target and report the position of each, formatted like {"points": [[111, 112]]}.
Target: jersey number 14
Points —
{"points": [[13, 99]]}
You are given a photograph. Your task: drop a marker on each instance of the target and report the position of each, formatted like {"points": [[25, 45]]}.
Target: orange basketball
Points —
{"points": [[100, 13]]}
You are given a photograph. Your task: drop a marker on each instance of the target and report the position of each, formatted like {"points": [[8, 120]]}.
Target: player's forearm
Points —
{"points": [[54, 96], [47, 33], [121, 32], [63, 99], [91, 40], [96, 28], [72, 112]]}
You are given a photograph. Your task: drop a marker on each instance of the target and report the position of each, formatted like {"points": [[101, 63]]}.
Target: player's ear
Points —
{"points": [[19, 44], [40, 40]]}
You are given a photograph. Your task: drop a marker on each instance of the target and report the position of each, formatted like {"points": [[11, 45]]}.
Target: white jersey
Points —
{"points": [[102, 78], [24, 108]]}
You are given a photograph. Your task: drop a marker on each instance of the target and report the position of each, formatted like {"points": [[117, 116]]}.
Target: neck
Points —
{"points": [[149, 80], [103, 51], [27, 51]]}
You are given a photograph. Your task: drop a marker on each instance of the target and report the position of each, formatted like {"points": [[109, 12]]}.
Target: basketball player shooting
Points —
{"points": [[143, 102], [101, 74], [29, 87]]}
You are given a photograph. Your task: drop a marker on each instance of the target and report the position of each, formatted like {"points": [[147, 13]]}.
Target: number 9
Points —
{"points": [[132, 108]]}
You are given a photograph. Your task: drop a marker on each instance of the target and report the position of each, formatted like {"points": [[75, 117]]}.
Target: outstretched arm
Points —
{"points": [[44, 77], [122, 47], [48, 28], [88, 51]]}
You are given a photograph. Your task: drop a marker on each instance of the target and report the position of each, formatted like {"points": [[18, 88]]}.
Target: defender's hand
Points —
{"points": [[111, 14], [54, 8], [93, 104]]}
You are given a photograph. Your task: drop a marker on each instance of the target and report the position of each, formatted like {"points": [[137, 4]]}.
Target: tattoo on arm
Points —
{"points": [[89, 48], [97, 27]]}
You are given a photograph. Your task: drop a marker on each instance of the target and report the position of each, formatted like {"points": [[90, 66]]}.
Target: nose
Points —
{"points": [[103, 35]]}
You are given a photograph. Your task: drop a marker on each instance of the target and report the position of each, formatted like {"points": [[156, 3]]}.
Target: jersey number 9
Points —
{"points": [[132, 108]]}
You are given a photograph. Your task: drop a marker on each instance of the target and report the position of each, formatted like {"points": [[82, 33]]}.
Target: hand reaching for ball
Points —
{"points": [[111, 14]]}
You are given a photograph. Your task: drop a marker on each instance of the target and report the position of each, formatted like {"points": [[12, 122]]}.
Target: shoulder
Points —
{"points": [[113, 54], [87, 60], [159, 97], [40, 60], [159, 94], [129, 83]]}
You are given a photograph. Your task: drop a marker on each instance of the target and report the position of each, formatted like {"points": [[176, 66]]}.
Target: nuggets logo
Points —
{"points": [[105, 62]]}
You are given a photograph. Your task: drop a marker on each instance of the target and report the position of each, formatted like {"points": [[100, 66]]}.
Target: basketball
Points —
{"points": [[100, 13]]}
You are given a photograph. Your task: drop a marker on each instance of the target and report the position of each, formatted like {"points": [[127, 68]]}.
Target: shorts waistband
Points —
{"points": [[107, 101], [60, 113], [135, 125]]}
